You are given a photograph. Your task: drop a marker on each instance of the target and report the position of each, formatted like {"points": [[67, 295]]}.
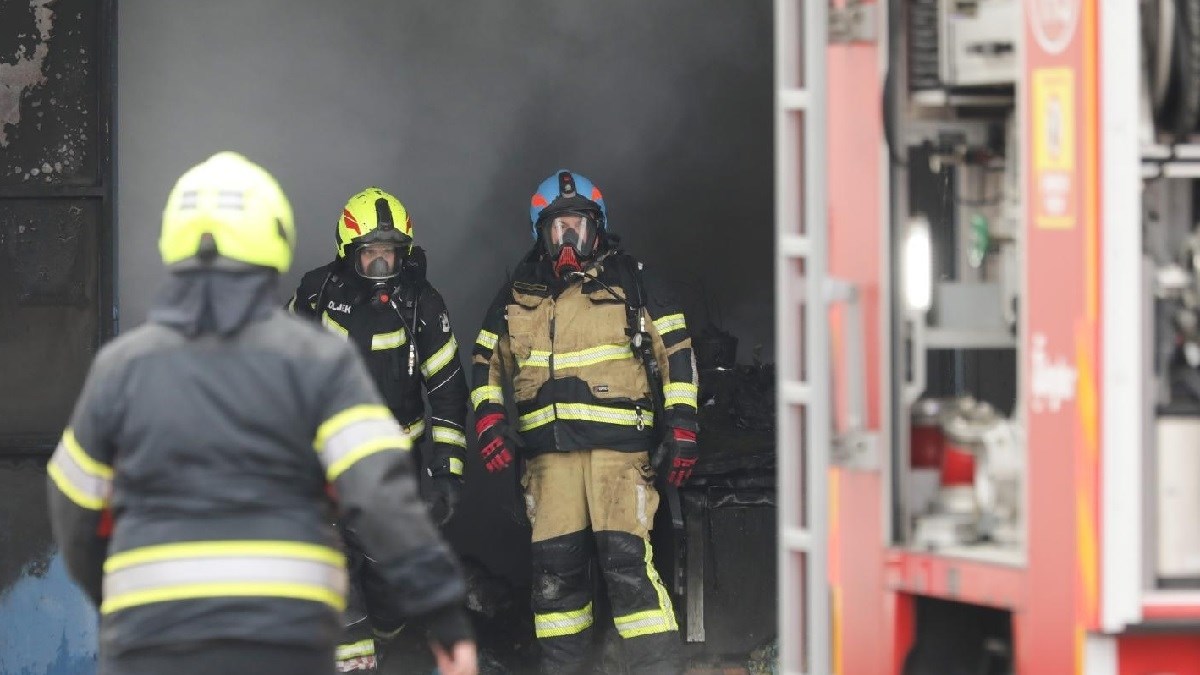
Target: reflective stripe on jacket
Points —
{"points": [[566, 351], [400, 365], [213, 456]]}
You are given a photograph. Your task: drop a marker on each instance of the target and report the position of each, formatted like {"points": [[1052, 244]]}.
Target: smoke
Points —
{"points": [[461, 109]]}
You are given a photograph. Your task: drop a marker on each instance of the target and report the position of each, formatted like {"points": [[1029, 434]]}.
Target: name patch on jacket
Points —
{"points": [[343, 307], [528, 287]]}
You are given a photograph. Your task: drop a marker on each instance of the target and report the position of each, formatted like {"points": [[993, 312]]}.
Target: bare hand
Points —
{"points": [[460, 660]]}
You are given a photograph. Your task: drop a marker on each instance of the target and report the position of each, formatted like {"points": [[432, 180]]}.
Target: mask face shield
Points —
{"points": [[574, 229], [377, 261]]}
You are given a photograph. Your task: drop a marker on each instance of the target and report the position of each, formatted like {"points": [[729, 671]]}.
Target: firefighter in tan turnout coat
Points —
{"points": [[601, 369]]}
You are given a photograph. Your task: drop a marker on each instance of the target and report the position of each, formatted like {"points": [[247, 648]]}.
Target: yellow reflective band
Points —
{"points": [[580, 359], [558, 624], [334, 326], [83, 459], [415, 430], [535, 419], [366, 411], [584, 412], [356, 649], [536, 359], [487, 339], [487, 394], [456, 466], [644, 623], [392, 340], [216, 549], [440, 358], [73, 493], [363, 451], [588, 412], [84, 481], [449, 436], [225, 590], [669, 323], [664, 599], [680, 393]]}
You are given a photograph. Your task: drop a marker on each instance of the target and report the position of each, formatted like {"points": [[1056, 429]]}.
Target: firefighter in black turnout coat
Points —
{"points": [[375, 294]]}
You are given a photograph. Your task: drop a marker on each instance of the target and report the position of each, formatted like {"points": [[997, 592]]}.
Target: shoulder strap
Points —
{"points": [[329, 276], [630, 272]]}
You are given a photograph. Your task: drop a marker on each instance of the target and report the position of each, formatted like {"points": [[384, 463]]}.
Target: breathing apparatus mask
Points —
{"points": [[379, 263], [570, 238]]}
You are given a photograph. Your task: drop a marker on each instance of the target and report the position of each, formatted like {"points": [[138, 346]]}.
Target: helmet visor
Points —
{"points": [[575, 229], [377, 261]]}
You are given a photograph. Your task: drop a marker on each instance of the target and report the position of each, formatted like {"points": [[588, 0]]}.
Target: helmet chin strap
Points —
{"points": [[566, 262]]}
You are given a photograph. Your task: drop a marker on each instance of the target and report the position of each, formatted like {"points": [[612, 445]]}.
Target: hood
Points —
{"points": [[207, 301]]}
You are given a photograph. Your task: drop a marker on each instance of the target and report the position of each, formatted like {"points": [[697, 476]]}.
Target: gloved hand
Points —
{"points": [[445, 488], [679, 455], [494, 446]]}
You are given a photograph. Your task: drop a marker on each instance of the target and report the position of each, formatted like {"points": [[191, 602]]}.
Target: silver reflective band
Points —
{"points": [[440, 358], [486, 394], [356, 649], [595, 413], [334, 326], [449, 436], [356, 433], [82, 479], [579, 359], [392, 340], [486, 339], [535, 419], [414, 431], [318, 578], [558, 624], [680, 393], [644, 623], [669, 323]]}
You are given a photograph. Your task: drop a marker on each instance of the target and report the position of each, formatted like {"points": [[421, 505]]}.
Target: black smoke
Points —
{"points": [[461, 109]]}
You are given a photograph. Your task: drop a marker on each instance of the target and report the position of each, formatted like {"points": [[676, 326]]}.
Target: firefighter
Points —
{"points": [[600, 365], [190, 493], [376, 295]]}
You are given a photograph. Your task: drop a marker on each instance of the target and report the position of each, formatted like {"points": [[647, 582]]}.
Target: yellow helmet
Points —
{"points": [[373, 217], [240, 208]]}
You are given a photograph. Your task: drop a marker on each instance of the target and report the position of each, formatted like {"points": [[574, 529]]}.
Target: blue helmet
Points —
{"points": [[566, 191]]}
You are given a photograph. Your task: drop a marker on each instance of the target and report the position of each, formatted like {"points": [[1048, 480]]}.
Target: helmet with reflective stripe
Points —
{"points": [[227, 208], [566, 191], [372, 217]]}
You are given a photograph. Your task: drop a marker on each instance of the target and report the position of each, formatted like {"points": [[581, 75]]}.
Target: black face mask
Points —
{"points": [[379, 268]]}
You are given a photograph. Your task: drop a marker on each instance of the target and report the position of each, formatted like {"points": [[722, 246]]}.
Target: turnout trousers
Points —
{"points": [[597, 505]]}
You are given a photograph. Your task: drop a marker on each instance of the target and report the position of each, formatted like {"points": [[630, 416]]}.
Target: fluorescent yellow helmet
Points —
{"points": [[239, 205], [373, 217]]}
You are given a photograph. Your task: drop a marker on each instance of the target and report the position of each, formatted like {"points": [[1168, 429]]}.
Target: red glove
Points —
{"points": [[683, 453], [493, 442]]}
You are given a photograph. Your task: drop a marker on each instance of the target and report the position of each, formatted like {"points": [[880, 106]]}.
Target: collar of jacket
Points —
{"points": [[205, 301]]}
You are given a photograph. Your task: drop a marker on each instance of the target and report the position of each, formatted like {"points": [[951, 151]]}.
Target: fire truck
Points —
{"points": [[988, 291]]}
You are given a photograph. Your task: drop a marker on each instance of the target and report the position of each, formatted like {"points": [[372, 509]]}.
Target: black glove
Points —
{"points": [[444, 491], [678, 455], [494, 445]]}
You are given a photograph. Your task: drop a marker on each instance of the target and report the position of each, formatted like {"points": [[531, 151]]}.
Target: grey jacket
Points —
{"points": [[216, 452]]}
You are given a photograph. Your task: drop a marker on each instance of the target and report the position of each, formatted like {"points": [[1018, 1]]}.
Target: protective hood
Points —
{"points": [[206, 301]]}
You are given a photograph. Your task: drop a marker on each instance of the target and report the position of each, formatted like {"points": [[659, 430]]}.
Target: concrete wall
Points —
{"points": [[460, 109]]}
